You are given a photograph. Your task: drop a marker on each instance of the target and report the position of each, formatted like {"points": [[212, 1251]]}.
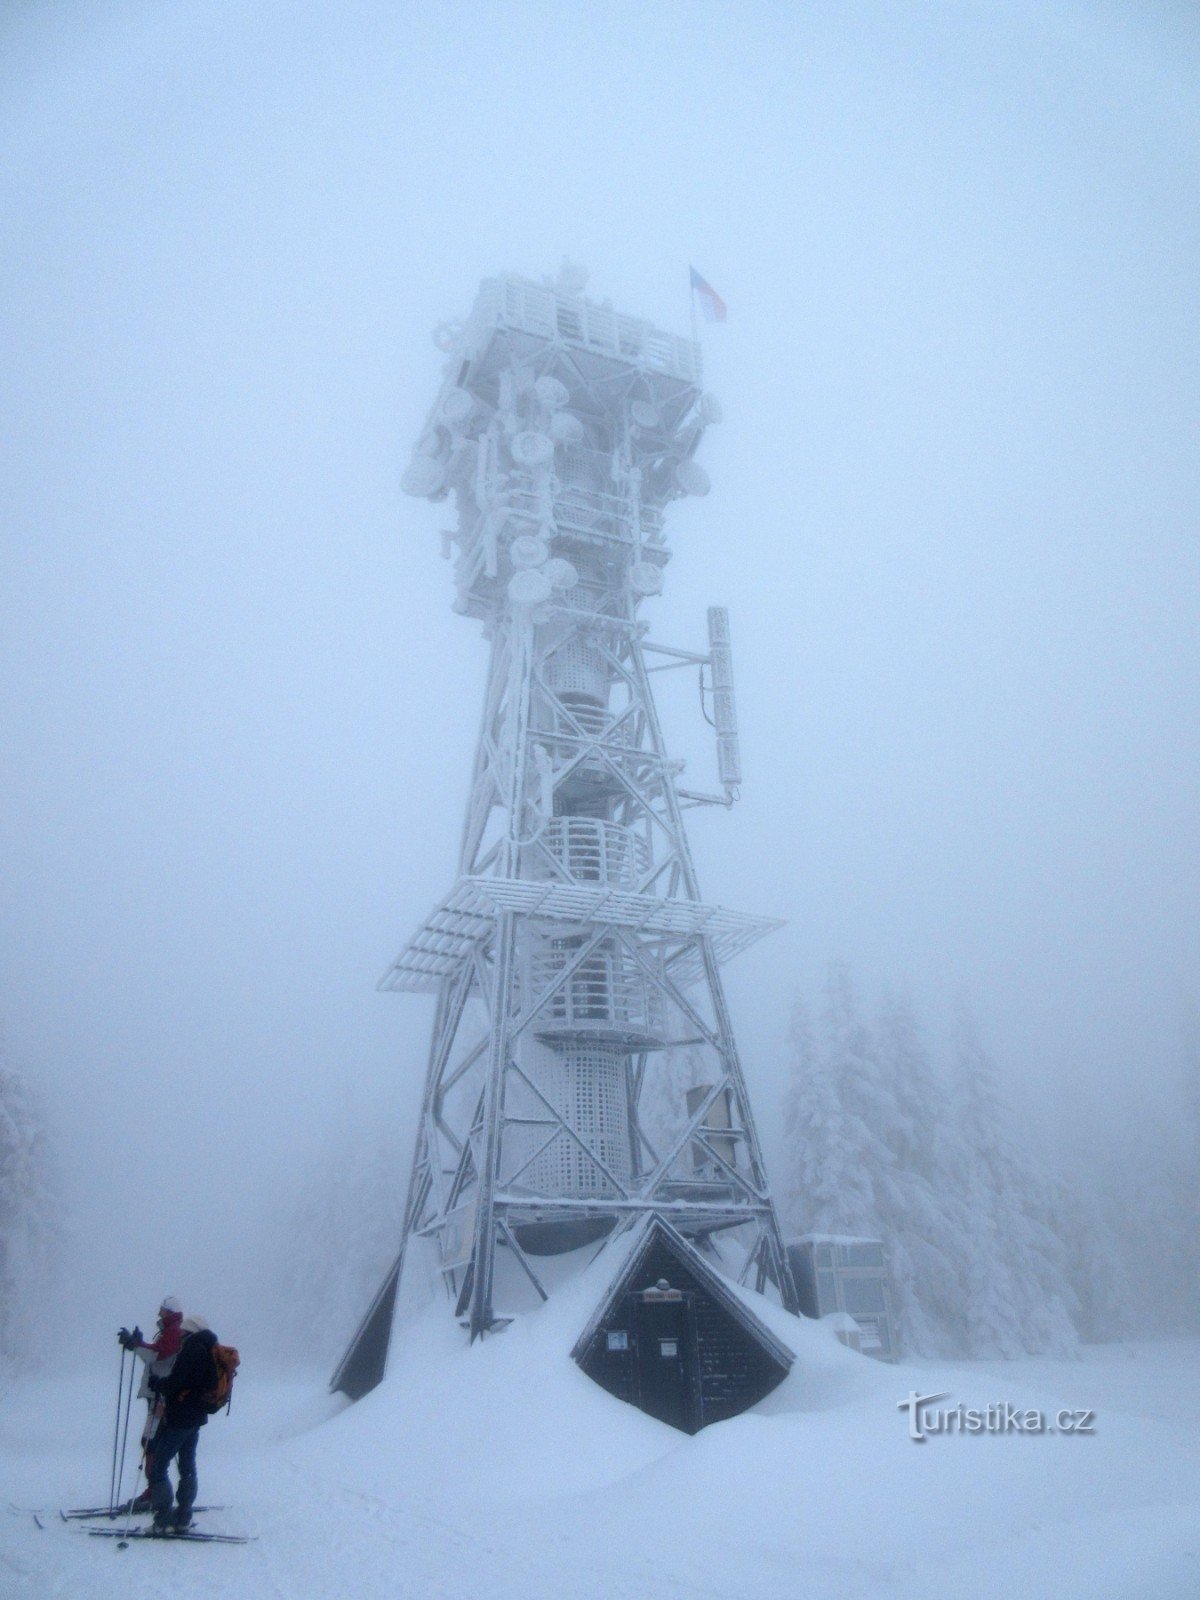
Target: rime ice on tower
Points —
{"points": [[574, 951]]}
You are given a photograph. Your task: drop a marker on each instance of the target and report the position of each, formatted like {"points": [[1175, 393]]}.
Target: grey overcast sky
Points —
{"points": [[953, 515]]}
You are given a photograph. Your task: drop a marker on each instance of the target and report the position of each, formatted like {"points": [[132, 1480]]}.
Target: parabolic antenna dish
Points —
{"points": [[529, 588], [644, 415], [645, 578], [457, 406], [551, 393], [691, 477], [562, 574], [423, 477], [527, 550], [566, 428], [531, 449]]}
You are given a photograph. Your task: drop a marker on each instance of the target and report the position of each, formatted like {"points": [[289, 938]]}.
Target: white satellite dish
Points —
{"points": [[423, 477], [566, 428], [457, 406], [529, 588], [527, 550], [551, 393], [531, 449], [645, 578], [691, 477], [644, 415], [562, 574]]}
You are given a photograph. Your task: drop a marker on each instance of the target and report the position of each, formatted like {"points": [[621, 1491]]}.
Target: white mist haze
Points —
{"points": [[953, 517]]}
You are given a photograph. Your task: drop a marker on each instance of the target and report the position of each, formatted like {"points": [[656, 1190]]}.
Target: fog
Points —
{"points": [[953, 517]]}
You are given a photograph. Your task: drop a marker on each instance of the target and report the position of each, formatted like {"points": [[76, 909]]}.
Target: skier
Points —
{"points": [[159, 1357], [182, 1415]]}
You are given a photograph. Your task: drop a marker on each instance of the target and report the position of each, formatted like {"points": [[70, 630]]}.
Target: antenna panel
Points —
{"points": [[720, 656]]}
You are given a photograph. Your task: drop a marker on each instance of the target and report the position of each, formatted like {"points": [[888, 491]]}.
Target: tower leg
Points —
{"points": [[483, 1252]]}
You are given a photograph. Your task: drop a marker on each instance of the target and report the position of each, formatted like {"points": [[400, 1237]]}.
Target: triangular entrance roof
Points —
{"points": [[634, 1250]]}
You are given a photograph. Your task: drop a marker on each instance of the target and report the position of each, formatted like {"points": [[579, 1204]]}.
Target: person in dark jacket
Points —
{"points": [[183, 1415]]}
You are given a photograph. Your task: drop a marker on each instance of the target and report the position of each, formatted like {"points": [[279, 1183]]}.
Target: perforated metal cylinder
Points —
{"points": [[586, 1084], [577, 667]]}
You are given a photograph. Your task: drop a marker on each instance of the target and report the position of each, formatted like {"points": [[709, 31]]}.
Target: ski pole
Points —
{"points": [[125, 1435], [132, 1497], [138, 1470], [112, 1476]]}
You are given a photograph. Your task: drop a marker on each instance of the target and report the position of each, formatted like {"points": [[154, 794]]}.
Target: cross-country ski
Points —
{"points": [[153, 1536], [89, 1513]]}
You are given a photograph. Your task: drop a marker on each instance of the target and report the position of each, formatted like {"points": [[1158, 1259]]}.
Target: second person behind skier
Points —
{"points": [[184, 1413]]}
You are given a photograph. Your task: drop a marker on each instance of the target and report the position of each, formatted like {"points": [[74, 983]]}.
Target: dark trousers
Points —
{"points": [[168, 1444]]}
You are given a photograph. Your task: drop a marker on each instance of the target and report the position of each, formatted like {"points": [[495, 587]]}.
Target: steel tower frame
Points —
{"points": [[574, 950]]}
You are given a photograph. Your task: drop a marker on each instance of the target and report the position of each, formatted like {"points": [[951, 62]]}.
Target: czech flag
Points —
{"points": [[711, 303]]}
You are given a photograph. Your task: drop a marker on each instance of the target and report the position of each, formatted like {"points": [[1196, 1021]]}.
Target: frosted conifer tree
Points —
{"points": [[1053, 1314], [1014, 1279], [1149, 1194], [989, 1255], [1093, 1263], [834, 1157], [811, 1122], [921, 1211], [343, 1231], [28, 1223]]}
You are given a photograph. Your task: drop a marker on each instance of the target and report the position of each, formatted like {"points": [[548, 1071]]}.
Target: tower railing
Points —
{"points": [[546, 313]]}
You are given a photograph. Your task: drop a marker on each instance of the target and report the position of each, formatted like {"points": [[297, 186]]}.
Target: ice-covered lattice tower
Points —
{"points": [[574, 951]]}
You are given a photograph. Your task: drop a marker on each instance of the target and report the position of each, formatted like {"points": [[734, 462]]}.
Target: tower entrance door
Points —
{"points": [[663, 1322]]}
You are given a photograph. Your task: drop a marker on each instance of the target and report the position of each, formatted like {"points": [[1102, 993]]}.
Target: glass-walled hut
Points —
{"points": [[837, 1272]]}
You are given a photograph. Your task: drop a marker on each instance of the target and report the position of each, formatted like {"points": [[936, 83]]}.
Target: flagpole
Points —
{"points": [[692, 309]]}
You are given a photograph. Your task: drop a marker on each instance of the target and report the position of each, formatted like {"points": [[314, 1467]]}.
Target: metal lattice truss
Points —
{"points": [[706, 1177], [575, 964], [498, 1151]]}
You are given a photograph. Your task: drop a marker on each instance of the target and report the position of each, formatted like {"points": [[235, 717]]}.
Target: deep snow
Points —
{"points": [[502, 1471]]}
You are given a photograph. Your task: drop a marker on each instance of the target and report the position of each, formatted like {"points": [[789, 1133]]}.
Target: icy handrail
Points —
{"points": [[534, 308]]}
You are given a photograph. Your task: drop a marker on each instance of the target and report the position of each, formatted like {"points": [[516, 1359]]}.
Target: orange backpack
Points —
{"points": [[227, 1361]]}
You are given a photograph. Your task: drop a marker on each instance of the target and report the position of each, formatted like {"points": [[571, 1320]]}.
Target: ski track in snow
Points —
{"points": [[503, 1471]]}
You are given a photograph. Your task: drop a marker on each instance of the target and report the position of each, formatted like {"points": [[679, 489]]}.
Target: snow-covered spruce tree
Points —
{"points": [[811, 1129], [29, 1229], [1095, 1269], [921, 1211], [342, 1232], [1017, 1298], [1150, 1205], [831, 1107], [868, 1135]]}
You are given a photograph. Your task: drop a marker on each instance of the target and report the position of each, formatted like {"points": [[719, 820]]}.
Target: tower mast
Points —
{"points": [[574, 957]]}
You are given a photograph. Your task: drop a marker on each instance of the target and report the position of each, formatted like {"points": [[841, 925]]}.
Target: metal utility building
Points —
{"points": [[573, 957], [840, 1272]]}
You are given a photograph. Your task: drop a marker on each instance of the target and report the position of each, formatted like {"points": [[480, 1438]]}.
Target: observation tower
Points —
{"points": [[573, 958]]}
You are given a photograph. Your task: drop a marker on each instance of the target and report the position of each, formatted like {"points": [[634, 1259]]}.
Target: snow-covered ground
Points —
{"points": [[502, 1471]]}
